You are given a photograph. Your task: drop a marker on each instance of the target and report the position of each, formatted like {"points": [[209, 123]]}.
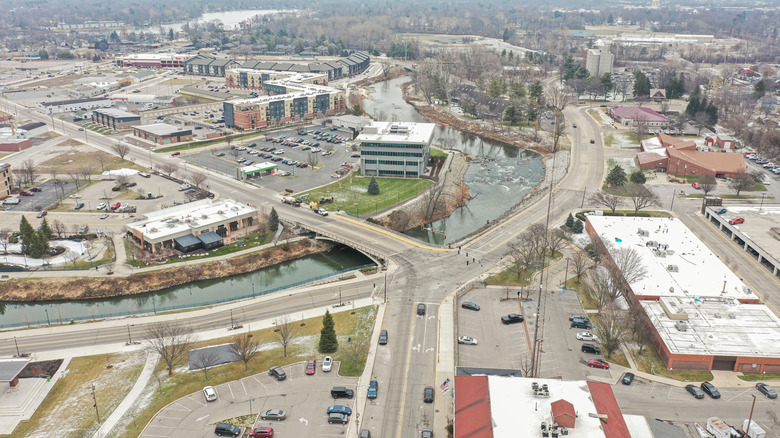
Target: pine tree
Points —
{"points": [[45, 230], [638, 177], [274, 219], [570, 221], [27, 234], [373, 187], [578, 227], [328, 341], [616, 177]]}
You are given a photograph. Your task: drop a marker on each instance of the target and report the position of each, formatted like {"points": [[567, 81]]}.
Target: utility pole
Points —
{"points": [[129, 339], [385, 287], [94, 398], [750, 419]]}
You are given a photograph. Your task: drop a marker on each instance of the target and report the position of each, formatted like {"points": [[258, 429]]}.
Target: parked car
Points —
{"points": [[338, 409], [736, 221], [210, 393], [373, 389], [710, 390], [383, 337], [176, 154], [338, 419], [116, 205], [261, 432], [468, 340], [421, 309], [627, 378], [574, 316], [311, 367], [184, 187], [341, 392], [277, 373], [696, 186], [695, 391], [274, 414], [79, 206], [327, 364], [223, 429], [721, 211], [598, 363], [470, 305], [26, 193], [428, 394], [101, 206], [767, 390], [590, 348], [512, 318], [581, 323], [36, 189], [426, 433], [587, 336], [41, 214]]}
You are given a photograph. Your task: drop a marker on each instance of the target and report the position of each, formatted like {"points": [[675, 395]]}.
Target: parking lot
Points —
{"points": [[304, 398], [225, 160], [49, 194]]}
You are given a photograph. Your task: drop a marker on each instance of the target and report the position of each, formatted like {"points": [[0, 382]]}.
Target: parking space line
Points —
{"points": [[258, 381], [244, 386]]}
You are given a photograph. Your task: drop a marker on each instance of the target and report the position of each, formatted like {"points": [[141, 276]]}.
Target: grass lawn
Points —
{"points": [[73, 162], [755, 377], [618, 358], [435, 152], [250, 241], [57, 415], [351, 194], [510, 277], [650, 362], [358, 325], [609, 140], [586, 298]]}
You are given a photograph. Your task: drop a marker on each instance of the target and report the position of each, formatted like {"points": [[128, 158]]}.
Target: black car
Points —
{"points": [[581, 323], [428, 394], [335, 418], [512, 318], [277, 373], [628, 378], [79, 206], [470, 305], [573, 316], [421, 309], [767, 390], [695, 391], [710, 389], [383, 337]]}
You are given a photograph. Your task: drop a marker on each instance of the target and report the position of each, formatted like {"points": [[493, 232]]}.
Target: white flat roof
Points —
{"points": [[516, 412], [699, 272], [184, 219], [717, 327], [400, 132]]}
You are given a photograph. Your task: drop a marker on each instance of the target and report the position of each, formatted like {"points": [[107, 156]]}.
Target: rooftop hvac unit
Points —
{"points": [[671, 289], [673, 268], [681, 326], [234, 208], [652, 244], [732, 316], [746, 290], [717, 315], [660, 253], [204, 216], [642, 232], [220, 212], [153, 230]]}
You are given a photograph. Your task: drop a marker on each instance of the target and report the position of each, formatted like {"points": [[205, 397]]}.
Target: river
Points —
{"points": [[499, 177], [200, 293], [229, 19]]}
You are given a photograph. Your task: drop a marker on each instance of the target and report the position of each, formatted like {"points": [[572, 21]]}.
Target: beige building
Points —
{"points": [[5, 180], [599, 61]]}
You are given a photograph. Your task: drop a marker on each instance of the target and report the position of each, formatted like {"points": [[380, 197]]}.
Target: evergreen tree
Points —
{"points": [[328, 341], [759, 89], [641, 84], [274, 219], [537, 92], [616, 177], [373, 187], [27, 234], [171, 35], [578, 227], [606, 82], [638, 177], [45, 230], [509, 114], [570, 221]]}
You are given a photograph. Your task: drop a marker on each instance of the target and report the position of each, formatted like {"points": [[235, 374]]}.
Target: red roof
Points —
{"points": [[472, 408], [604, 399], [674, 142], [562, 407]]}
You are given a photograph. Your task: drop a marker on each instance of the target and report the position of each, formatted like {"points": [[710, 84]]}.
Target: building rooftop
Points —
{"points": [[638, 113], [162, 129], [760, 226], [675, 265], [715, 161], [72, 101], [403, 132], [112, 112]]}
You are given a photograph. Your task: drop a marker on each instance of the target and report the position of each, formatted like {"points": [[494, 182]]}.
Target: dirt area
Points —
{"points": [[93, 288], [44, 368], [70, 142], [55, 82], [85, 157]]}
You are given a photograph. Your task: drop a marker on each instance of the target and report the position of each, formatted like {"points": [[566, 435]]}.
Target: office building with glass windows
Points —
{"points": [[397, 149]]}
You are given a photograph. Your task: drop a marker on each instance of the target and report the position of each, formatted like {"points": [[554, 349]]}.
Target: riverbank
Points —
{"points": [[59, 289]]}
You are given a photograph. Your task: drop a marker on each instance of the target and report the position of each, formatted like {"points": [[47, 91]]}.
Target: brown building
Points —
{"points": [[676, 156], [162, 133], [115, 119], [5, 180]]}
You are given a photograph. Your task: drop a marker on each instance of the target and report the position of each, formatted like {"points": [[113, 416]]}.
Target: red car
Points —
{"points": [[598, 363], [696, 186], [311, 367], [176, 154], [115, 206], [737, 220], [26, 193], [262, 432]]}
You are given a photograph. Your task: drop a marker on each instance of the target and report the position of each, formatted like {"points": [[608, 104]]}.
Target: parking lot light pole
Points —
{"points": [[129, 339], [17, 348]]}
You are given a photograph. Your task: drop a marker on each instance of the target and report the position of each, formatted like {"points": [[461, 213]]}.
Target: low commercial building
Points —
{"points": [[680, 157], [698, 321], [398, 149], [154, 60], [115, 119], [63, 106], [348, 121], [162, 133], [628, 116], [6, 181], [207, 65], [758, 235], [201, 220], [256, 170]]}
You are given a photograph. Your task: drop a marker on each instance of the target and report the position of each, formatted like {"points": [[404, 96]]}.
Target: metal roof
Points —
{"points": [[10, 368]]}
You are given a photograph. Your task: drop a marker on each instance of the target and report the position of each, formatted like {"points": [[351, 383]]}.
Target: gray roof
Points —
{"points": [[300, 68], [163, 129], [10, 368], [283, 66], [70, 101], [187, 240], [209, 237], [116, 113], [219, 62]]}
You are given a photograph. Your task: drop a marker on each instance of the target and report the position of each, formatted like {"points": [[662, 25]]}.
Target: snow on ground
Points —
{"points": [[72, 248]]}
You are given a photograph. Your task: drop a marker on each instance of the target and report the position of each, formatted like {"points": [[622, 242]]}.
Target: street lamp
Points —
{"points": [[762, 202], [17, 348], [47, 317], [253, 289], [129, 339]]}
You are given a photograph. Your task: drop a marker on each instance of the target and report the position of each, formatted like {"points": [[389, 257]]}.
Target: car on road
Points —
{"points": [[210, 393], [274, 414], [767, 390], [592, 141], [262, 432], [426, 433], [79, 206], [428, 394], [710, 390], [176, 154], [322, 212], [574, 125], [627, 378], [721, 211], [421, 309], [36, 189], [574, 316], [41, 214], [383, 337], [598, 363], [26, 193], [468, 340], [339, 409], [338, 419], [581, 323], [220, 154], [373, 389], [470, 305], [104, 216], [277, 373], [327, 364], [512, 318], [695, 391], [736, 221], [311, 367], [101, 206], [696, 186], [587, 336]]}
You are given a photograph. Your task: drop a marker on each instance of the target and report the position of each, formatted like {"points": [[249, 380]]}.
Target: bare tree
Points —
{"points": [[244, 347], [4, 235], [58, 227], [170, 341], [122, 181], [169, 168], [559, 97], [637, 328], [579, 265], [640, 196], [74, 176], [28, 168], [235, 153], [198, 178], [608, 200], [603, 286], [86, 173], [743, 181], [312, 160], [355, 350], [432, 202], [557, 240], [102, 159], [286, 331], [629, 264], [556, 130], [72, 257], [708, 183], [611, 329], [121, 149], [640, 129], [205, 359]]}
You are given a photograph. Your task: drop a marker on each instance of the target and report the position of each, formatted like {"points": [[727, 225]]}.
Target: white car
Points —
{"points": [[468, 340], [76, 196], [210, 393], [587, 336], [101, 206], [327, 364]]}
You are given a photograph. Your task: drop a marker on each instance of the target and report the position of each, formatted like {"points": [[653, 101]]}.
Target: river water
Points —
{"points": [[499, 177], [264, 281], [229, 19]]}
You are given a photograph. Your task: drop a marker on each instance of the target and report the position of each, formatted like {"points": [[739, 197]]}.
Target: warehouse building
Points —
{"points": [[698, 322], [207, 65], [349, 66], [64, 106], [115, 119], [200, 224], [162, 133], [154, 60], [395, 149]]}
